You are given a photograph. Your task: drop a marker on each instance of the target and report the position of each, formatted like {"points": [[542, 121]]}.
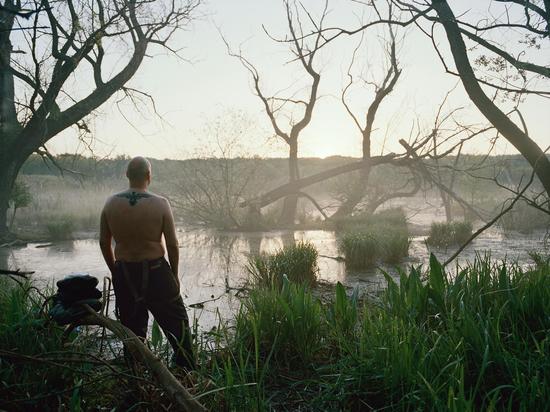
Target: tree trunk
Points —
{"points": [[347, 207], [518, 138], [290, 205], [8, 114], [9, 126], [8, 174], [12, 219], [447, 205]]}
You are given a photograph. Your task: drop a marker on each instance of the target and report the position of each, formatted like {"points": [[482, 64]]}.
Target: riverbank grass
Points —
{"points": [[443, 235], [475, 341], [298, 263], [383, 237]]}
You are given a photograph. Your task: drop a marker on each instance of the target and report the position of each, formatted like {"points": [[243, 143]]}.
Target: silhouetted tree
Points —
{"points": [[61, 60], [506, 42], [304, 52]]}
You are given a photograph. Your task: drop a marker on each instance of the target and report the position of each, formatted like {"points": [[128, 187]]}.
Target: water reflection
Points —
{"points": [[212, 262]]}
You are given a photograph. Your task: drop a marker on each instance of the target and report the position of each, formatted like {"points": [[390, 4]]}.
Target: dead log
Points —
{"points": [[295, 186], [141, 352], [15, 273]]}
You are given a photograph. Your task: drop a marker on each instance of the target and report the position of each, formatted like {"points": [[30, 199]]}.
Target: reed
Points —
{"points": [[476, 340], [443, 235], [382, 238], [60, 229], [297, 262]]}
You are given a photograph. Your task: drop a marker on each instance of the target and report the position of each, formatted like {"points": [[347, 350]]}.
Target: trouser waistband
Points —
{"points": [[150, 262], [138, 293]]}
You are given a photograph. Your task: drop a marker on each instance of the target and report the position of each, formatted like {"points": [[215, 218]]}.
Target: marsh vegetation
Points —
{"points": [[417, 344], [411, 273]]}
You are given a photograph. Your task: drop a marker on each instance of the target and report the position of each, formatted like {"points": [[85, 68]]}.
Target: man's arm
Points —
{"points": [[172, 246], [105, 238]]}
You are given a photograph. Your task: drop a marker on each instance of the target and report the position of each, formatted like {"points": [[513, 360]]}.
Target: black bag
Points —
{"points": [[72, 292]]}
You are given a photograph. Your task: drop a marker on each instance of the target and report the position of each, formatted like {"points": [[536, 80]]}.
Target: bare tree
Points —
{"points": [[526, 21], [381, 91], [221, 174], [519, 138], [60, 61], [419, 151], [304, 52]]}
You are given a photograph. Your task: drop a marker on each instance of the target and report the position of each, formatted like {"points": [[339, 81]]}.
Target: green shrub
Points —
{"points": [[384, 237], [60, 229], [361, 249], [298, 263], [447, 234], [20, 197], [387, 217]]}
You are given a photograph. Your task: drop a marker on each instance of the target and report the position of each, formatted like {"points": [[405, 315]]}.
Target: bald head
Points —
{"points": [[138, 171]]}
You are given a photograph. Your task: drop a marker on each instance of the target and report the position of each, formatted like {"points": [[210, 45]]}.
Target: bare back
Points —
{"points": [[137, 220]]}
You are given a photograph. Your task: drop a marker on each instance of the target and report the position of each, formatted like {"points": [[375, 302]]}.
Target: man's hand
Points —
{"points": [[172, 245]]}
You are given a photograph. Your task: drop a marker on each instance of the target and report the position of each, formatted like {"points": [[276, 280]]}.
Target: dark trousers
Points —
{"points": [[150, 286]]}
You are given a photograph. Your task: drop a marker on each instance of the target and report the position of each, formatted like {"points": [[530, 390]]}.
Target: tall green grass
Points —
{"points": [[386, 217], [40, 368], [44, 369], [447, 234], [381, 237], [297, 262], [474, 340]]}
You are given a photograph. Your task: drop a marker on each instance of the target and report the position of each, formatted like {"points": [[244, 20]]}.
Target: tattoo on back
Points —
{"points": [[133, 197]]}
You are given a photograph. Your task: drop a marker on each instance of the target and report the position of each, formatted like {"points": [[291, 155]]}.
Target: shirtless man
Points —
{"points": [[142, 278]]}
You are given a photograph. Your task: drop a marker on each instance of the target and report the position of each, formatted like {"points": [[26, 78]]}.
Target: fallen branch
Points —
{"points": [[336, 258], [16, 242], [200, 305], [429, 178], [139, 351], [17, 272], [314, 202], [43, 245]]}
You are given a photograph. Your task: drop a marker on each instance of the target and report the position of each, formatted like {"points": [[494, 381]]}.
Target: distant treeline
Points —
{"points": [[510, 166]]}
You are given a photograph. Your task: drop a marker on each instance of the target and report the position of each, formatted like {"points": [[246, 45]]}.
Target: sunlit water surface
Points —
{"points": [[212, 262]]}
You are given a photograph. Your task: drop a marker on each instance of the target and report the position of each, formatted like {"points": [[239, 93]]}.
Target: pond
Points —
{"points": [[212, 262]]}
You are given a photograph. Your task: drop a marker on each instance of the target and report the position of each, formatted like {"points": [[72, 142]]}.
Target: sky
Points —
{"points": [[206, 98]]}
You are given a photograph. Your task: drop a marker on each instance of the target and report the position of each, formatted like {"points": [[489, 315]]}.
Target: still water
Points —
{"points": [[212, 262]]}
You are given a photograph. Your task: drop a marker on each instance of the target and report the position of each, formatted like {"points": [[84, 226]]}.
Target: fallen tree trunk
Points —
{"points": [[297, 185], [139, 351]]}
